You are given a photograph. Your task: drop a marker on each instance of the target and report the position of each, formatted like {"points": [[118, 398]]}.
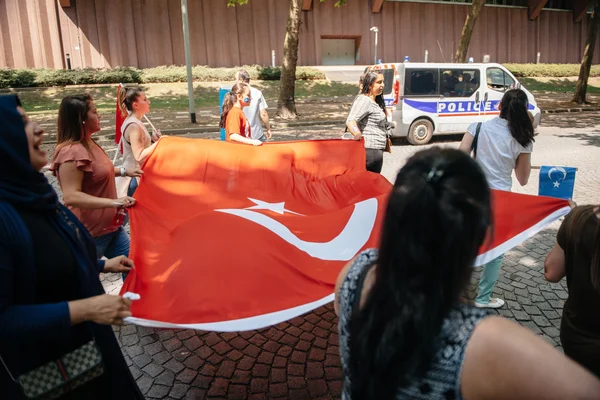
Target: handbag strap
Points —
{"points": [[8, 370], [475, 140]]}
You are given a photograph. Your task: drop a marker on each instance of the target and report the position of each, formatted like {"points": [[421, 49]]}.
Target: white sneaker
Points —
{"points": [[494, 303]]}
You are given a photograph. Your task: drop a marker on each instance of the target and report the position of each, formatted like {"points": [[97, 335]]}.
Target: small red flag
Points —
{"points": [[119, 118]]}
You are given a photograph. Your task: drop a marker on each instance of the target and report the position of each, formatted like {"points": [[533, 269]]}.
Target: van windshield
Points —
{"points": [[388, 78]]}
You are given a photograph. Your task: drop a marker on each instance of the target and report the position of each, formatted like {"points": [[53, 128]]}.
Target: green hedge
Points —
{"points": [[549, 70], [20, 78]]}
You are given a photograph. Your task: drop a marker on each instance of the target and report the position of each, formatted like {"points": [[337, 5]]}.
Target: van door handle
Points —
{"points": [[485, 98], [477, 97]]}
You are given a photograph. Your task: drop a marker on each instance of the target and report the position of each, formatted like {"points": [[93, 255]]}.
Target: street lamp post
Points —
{"points": [[188, 59], [374, 29]]}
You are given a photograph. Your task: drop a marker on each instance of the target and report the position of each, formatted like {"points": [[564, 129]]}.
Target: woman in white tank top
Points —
{"points": [[137, 143], [504, 144]]}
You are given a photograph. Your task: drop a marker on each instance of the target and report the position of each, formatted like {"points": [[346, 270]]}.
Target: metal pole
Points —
{"points": [[188, 59], [375, 57]]}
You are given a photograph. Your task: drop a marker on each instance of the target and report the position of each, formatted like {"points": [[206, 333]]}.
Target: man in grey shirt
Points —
{"points": [[257, 110]]}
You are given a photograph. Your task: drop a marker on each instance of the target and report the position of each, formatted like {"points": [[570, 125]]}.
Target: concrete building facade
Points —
{"points": [[147, 33]]}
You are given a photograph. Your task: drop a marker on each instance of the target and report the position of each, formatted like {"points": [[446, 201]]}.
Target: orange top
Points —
{"points": [[236, 122], [98, 181]]}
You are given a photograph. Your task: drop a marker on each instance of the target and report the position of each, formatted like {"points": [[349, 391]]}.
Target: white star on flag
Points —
{"points": [[278, 208], [556, 184]]}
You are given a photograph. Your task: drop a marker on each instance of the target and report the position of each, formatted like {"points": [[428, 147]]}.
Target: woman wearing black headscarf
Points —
{"points": [[52, 305]]}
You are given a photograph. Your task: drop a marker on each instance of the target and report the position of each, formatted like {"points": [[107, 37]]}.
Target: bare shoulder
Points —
{"points": [[133, 128], [510, 340], [523, 366]]}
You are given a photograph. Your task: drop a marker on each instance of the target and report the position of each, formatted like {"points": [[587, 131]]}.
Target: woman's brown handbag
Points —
{"points": [[388, 144]]}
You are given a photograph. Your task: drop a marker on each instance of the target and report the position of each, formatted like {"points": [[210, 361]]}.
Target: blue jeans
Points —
{"points": [[488, 279], [113, 244], [133, 185]]}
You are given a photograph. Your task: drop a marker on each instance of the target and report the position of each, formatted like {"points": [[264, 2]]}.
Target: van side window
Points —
{"points": [[388, 79], [499, 80], [459, 82], [421, 82]]}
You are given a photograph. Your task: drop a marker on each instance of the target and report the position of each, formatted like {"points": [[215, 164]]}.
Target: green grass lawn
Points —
{"points": [[166, 97], [171, 97], [556, 85]]}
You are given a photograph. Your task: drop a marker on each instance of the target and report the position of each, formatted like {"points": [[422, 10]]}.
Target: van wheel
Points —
{"points": [[420, 132]]}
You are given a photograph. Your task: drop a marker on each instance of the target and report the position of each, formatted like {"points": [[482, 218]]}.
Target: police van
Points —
{"points": [[427, 99]]}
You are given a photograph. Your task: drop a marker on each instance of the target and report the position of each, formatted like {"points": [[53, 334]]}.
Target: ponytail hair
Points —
{"points": [[514, 110], [230, 100], [127, 96], [437, 217]]}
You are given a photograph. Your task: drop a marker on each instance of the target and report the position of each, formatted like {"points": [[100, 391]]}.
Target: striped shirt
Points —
{"points": [[371, 120]]}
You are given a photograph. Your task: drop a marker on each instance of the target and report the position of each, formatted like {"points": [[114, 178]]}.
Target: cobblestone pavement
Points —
{"points": [[299, 359]]}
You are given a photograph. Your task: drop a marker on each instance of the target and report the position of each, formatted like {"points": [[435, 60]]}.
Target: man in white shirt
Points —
{"points": [[256, 111]]}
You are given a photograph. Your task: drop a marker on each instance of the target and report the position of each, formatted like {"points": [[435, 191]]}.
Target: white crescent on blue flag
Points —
{"points": [[557, 181]]}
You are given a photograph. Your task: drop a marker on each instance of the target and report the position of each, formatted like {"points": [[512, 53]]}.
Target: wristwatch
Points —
{"points": [[123, 172]]}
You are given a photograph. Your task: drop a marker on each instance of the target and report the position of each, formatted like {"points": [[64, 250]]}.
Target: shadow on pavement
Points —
{"points": [[437, 139], [589, 139]]}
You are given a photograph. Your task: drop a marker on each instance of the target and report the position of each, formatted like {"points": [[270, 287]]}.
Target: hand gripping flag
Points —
{"points": [[231, 237]]}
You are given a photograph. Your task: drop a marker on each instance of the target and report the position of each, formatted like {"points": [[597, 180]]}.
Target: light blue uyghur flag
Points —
{"points": [[222, 92], [557, 181]]}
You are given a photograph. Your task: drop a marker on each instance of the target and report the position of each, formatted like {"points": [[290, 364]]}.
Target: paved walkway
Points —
{"points": [[310, 111], [299, 359]]}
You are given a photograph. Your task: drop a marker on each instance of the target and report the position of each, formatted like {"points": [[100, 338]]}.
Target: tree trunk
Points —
{"points": [[588, 55], [286, 105], [465, 37]]}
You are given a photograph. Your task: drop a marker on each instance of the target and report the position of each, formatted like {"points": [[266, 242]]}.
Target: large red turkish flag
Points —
{"points": [[231, 237]]}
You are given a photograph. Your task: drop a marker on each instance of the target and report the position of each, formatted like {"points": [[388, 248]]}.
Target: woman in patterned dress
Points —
{"points": [[404, 331]]}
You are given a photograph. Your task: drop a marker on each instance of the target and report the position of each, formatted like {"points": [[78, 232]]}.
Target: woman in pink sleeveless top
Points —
{"points": [[87, 176]]}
